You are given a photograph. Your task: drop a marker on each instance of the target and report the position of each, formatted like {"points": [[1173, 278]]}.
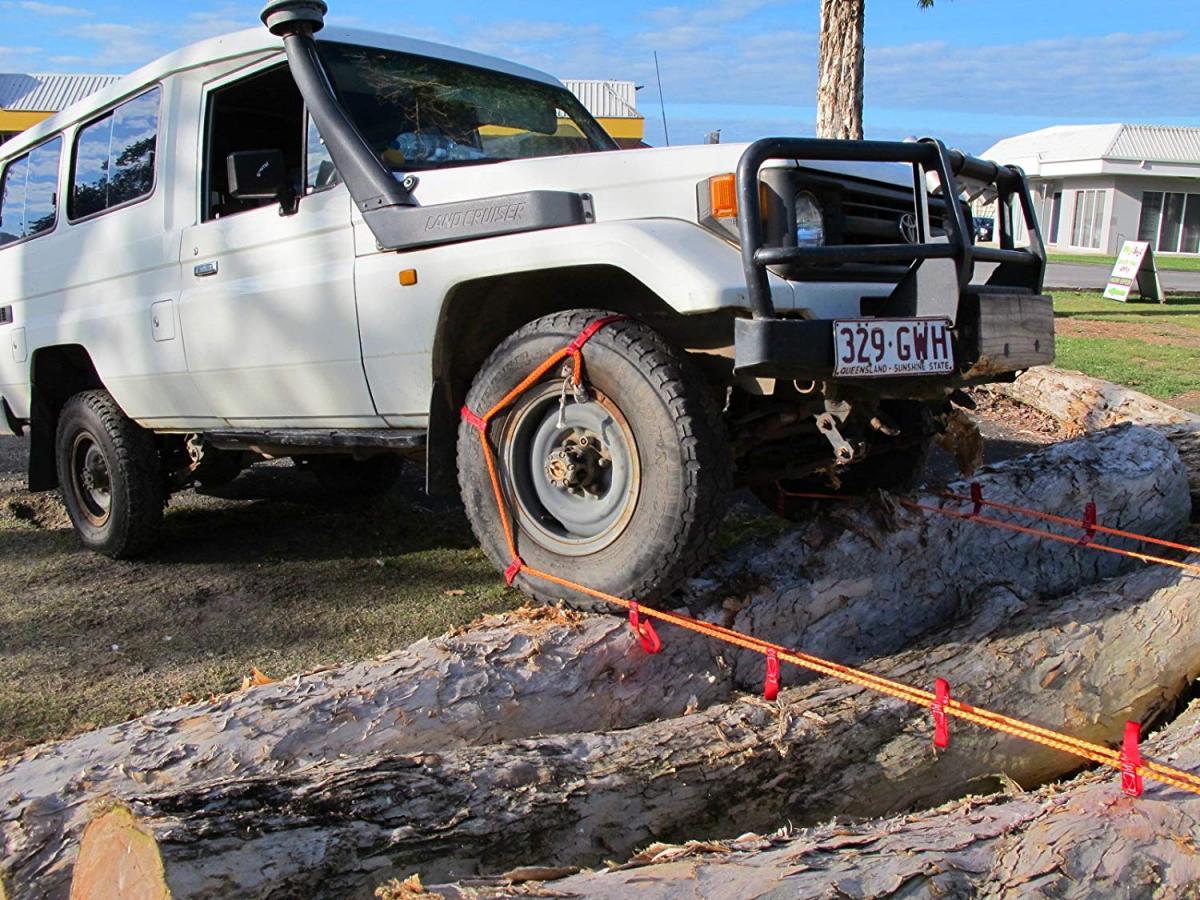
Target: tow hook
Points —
{"points": [[579, 393], [843, 450]]}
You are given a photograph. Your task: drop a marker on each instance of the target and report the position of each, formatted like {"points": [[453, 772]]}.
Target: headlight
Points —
{"points": [[810, 221]]}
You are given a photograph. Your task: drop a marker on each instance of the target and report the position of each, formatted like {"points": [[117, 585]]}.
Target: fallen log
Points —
{"points": [[1084, 404], [515, 677], [1081, 840], [1082, 663], [817, 595]]}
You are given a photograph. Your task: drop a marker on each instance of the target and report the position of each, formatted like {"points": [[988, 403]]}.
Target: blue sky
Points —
{"points": [[970, 71]]}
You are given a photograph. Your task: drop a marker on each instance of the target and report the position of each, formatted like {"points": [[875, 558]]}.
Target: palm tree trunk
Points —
{"points": [[840, 70]]}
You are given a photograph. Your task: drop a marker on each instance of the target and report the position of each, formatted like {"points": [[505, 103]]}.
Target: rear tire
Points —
{"points": [[627, 495], [111, 476]]}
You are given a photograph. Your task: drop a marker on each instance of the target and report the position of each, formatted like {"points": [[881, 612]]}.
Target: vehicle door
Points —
{"points": [[267, 308]]}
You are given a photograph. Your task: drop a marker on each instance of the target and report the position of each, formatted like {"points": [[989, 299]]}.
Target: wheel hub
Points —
{"points": [[574, 470], [579, 465], [92, 479]]}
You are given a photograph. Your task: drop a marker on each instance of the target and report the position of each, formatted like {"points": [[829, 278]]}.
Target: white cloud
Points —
{"points": [[119, 46], [19, 58], [47, 9]]}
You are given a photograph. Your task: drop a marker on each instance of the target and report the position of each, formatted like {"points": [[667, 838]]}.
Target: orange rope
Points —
{"points": [[1096, 753], [1035, 532], [1074, 523]]}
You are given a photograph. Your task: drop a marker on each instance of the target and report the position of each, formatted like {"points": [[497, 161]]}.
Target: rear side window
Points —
{"points": [[114, 157], [29, 194]]}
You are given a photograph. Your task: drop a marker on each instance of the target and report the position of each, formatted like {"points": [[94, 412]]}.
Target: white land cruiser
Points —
{"points": [[272, 245]]}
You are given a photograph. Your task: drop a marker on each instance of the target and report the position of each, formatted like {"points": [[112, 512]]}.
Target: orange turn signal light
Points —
{"points": [[408, 277], [722, 196]]}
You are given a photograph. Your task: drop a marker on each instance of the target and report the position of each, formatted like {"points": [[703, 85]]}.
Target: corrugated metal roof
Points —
{"points": [[1066, 143], [606, 99], [48, 93], [1061, 142], [1159, 143]]}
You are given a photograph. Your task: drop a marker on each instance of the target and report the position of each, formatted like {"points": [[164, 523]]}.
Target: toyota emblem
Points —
{"points": [[908, 228]]}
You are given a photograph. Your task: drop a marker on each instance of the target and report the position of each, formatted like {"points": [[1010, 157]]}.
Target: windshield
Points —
{"points": [[422, 113]]}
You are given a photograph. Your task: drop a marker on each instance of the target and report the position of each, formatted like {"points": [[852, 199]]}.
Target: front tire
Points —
{"points": [[111, 476], [626, 491]]}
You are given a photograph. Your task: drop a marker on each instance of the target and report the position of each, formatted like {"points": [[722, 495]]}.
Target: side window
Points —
{"points": [[263, 111], [29, 195], [114, 157], [41, 191], [12, 204], [319, 166]]}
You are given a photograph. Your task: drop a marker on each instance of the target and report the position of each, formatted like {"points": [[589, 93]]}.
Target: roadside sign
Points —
{"points": [[1135, 265]]}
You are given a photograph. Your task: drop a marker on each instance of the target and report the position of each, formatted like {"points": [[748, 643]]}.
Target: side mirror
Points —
{"points": [[257, 174]]}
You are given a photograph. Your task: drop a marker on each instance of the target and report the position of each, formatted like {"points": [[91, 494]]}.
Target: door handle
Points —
{"points": [[205, 270]]}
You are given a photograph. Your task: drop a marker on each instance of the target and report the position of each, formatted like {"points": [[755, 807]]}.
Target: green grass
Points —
{"points": [[1160, 371], [1157, 349], [1169, 263], [1181, 311]]}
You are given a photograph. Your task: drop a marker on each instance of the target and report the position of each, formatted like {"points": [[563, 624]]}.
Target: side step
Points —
{"points": [[282, 441]]}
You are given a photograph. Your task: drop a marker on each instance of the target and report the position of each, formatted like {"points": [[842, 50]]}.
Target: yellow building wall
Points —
{"points": [[624, 129], [19, 121]]}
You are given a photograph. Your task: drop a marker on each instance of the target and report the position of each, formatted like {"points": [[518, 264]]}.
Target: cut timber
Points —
{"points": [[1079, 840], [864, 580], [118, 858], [1082, 663], [1012, 331], [1082, 404]]}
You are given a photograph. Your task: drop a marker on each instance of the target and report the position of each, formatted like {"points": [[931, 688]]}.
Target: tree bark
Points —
{"points": [[1083, 664], [358, 729], [1079, 840], [840, 60], [1084, 404]]}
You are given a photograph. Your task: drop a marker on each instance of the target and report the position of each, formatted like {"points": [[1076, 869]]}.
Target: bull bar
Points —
{"points": [[766, 344]]}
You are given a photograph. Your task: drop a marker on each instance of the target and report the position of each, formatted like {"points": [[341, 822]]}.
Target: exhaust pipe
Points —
{"points": [[368, 180]]}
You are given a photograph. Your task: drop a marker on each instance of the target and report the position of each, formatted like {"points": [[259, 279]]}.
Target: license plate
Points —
{"points": [[874, 347]]}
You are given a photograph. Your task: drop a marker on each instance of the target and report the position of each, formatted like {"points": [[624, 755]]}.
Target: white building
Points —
{"points": [[1096, 186]]}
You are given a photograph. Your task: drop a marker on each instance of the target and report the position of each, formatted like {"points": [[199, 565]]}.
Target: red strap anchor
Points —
{"points": [[513, 570], [644, 629], [771, 685], [1089, 524], [941, 724], [473, 420], [590, 332], [1131, 760], [976, 498]]}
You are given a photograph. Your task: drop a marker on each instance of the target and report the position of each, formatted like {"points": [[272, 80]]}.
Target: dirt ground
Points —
{"points": [[1155, 332], [272, 574]]}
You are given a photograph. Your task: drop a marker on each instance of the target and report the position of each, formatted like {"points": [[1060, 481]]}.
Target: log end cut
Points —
{"points": [[118, 857]]}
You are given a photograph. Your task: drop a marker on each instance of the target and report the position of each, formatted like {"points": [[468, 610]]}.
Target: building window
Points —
{"points": [[1088, 225], [1190, 241], [1170, 222], [29, 193], [1055, 217], [114, 157]]}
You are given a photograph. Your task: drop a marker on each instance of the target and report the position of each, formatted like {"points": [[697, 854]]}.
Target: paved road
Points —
{"points": [[1076, 275]]}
